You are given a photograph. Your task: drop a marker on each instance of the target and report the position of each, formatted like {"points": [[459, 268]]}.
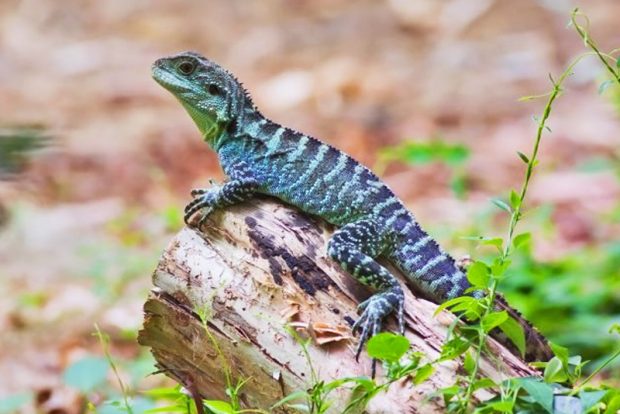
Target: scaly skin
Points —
{"points": [[261, 156]]}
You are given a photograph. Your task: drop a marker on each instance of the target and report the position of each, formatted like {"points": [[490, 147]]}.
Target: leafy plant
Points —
{"points": [[392, 350], [485, 277]]}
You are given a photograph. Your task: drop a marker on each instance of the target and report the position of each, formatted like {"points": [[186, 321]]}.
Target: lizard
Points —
{"points": [[260, 156]]}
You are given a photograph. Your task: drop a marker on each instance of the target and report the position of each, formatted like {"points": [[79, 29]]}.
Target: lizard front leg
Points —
{"points": [[354, 247], [240, 188]]}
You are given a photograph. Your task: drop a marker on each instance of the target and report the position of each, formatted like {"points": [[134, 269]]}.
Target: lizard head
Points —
{"points": [[210, 94]]}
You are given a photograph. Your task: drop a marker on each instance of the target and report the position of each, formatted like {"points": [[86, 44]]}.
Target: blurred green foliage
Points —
{"points": [[418, 152], [574, 300], [422, 152], [15, 146]]}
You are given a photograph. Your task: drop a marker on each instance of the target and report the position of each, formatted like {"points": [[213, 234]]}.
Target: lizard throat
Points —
{"points": [[206, 123]]}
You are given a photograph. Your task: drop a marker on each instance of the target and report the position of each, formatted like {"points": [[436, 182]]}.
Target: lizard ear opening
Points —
{"points": [[214, 90]]}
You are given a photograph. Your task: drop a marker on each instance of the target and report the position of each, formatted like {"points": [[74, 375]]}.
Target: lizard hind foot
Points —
{"points": [[374, 310]]}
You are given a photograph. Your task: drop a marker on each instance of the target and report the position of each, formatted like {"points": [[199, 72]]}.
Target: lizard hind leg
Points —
{"points": [[354, 247]]}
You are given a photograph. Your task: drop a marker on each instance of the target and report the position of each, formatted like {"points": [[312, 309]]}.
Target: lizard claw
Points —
{"points": [[198, 191], [374, 310], [204, 199]]}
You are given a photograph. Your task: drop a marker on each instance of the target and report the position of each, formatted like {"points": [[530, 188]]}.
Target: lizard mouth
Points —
{"points": [[166, 79]]}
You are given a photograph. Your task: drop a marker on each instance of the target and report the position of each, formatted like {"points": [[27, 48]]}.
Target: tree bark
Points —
{"points": [[257, 268]]}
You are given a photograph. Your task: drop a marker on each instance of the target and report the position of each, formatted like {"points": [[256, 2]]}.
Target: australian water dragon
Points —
{"points": [[261, 156]]}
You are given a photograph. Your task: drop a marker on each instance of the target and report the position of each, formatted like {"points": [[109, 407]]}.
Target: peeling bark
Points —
{"points": [[256, 268]]}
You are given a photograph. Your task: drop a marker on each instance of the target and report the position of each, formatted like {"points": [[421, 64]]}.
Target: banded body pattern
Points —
{"points": [[324, 181], [261, 156]]}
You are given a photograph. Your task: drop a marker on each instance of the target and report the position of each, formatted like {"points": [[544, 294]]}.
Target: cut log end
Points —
{"points": [[226, 298]]}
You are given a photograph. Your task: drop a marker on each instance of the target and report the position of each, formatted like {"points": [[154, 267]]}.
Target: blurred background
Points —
{"points": [[96, 160]]}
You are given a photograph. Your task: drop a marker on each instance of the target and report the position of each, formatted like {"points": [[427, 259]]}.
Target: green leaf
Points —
{"points": [[163, 393], [387, 346], [453, 348], [453, 302], [618, 62], [332, 385], [472, 309], [498, 242], [423, 373], [499, 266], [493, 320], [297, 395], [522, 239], [363, 382], [613, 405], [219, 407], [541, 392], [468, 363], [484, 383], [523, 157], [501, 406], [561, 353], [501, 204], [515, 199], [590, 398], [478, 274], [514, 331], [86, 373], [554, 371], [603, 87]]}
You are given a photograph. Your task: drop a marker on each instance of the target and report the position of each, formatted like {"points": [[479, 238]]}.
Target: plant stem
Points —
{"points": [[600, 367], [481, 340], [584, 34], [105, 343], [514, 219]]}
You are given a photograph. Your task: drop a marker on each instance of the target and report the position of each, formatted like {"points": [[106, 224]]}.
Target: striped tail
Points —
{"points": [[434, 274], [537, 347]]}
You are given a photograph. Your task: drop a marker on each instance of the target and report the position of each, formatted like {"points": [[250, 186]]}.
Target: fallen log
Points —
{"points": [[225, 299]]}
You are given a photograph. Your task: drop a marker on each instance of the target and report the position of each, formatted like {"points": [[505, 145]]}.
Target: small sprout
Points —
{"points": [[515, 200], [523, 157], [502, 204]]}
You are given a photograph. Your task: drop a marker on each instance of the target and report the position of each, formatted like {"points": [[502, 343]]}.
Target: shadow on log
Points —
{"points": [[257, 268]]}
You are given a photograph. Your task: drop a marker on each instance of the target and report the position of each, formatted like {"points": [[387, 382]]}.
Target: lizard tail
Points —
{"points": [[537, 347], [436, 276]]}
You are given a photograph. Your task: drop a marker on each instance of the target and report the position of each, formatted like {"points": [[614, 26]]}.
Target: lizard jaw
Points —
{"points": [[168, 80]]}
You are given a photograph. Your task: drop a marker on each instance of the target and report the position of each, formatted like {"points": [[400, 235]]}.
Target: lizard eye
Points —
{"points": [[215, 90], [186, 67]]}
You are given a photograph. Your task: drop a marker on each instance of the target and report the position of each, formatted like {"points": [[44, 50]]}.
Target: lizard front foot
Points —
{"points": [[204, 199], [375, 309]]}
